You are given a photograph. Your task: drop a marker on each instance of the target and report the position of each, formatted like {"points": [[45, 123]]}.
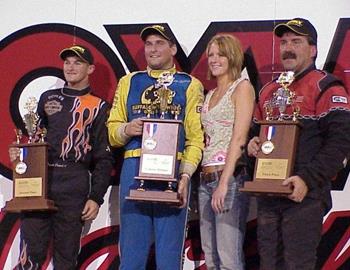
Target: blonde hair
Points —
{"points": [[230, 47]]}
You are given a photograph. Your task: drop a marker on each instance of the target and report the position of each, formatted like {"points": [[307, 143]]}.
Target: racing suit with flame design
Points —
{"points": [[80, 164], [141, 223]]}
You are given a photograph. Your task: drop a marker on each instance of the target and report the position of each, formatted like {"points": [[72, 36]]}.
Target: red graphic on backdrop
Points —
{"points": [[30, 53]]}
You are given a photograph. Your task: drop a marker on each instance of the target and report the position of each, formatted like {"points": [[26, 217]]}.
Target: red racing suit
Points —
{"points": [[324, 140]]}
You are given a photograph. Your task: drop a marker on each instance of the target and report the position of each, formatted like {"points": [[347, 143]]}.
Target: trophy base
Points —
{"points": [[18, 205], [266, 188], [154, 196]]}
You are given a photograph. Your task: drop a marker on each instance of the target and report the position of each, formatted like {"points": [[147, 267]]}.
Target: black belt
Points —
{"points": [[208, 177]]}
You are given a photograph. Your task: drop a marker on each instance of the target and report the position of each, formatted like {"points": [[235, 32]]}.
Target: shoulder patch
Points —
{"points": [[339, 99]]}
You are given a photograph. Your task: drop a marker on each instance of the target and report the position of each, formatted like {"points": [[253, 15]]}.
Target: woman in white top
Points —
{"points": [[226, 118]]}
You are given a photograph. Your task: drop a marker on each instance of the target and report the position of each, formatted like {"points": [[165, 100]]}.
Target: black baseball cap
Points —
{"points": [[299, 26], [80, 51], [155, 29]]}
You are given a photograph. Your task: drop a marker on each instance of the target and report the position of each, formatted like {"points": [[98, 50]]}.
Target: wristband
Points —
{"points": [[186, 176]]}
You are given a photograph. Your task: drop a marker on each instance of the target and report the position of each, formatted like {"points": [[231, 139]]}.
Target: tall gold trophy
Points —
{"points": [[30, 173], [275, 161], [158, 160]]}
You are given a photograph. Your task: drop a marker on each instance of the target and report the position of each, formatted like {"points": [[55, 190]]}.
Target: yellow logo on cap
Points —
{"points": [[298, 23], [158, 27], [78, 48]]}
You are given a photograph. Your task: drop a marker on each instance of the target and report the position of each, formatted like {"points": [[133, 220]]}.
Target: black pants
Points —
{"points": [[289, 233], [69, 190], [63, 228]]}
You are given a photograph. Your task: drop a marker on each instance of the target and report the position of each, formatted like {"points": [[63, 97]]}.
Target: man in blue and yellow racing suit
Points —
{"points": [[142, 223]]}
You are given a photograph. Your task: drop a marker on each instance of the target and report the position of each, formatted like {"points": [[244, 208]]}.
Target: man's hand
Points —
{"points": [[253, 147], [14, 153], [182, 190], [300, 189], [90, 210], [134, 128]]}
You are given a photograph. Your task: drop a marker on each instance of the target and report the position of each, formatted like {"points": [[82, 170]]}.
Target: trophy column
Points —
{"points": [[30, 170], [275, 162], [158, 160], [30, 178]]}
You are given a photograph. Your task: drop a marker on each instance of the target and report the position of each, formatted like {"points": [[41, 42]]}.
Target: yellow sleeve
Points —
{"points": [[194, 141], [118, 119]]}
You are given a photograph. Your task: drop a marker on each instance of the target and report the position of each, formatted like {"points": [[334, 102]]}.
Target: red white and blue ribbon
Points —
{"points": [[22, 153], [151, 129], [270, 132]]}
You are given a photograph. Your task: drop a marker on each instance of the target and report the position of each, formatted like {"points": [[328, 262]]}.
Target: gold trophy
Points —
{"points": [[283, 96], [30, 168], [159, 145], [31, 118], [164, 94], [279, 137]]}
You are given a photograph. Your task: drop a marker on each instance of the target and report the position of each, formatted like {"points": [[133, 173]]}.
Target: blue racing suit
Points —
{"points": [[142, 223]]}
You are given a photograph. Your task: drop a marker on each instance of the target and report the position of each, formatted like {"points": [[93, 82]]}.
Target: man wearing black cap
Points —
{"points": [[143, 222], [79, 160], [289, 229]]}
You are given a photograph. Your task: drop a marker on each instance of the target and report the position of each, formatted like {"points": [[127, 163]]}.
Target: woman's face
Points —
{"points": [[217, 63]]}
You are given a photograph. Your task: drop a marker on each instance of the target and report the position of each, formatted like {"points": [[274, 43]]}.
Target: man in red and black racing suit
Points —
{"points": [[289, 229]]}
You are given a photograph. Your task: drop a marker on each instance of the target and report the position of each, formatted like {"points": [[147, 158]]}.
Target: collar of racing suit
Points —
{"points": [[74, 92], [305, 71], [154, 73]]}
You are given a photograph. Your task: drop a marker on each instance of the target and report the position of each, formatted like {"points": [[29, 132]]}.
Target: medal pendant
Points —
{"points": [[21, 167], [150, 144], [267, 147]]}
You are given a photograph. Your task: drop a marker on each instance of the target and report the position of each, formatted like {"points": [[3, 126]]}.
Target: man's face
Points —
{"points": [[159, 52], [296, 53], [76, 72]]}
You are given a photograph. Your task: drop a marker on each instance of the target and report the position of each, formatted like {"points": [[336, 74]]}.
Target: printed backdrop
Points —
{"points": [[33, 32]]}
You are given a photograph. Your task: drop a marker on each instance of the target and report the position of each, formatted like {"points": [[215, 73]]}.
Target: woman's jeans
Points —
{"points": [[222, 235]]}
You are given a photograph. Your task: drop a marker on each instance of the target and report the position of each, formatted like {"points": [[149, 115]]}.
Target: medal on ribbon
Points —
{"points": [[150, 143], [267, 147], [21, 167]]}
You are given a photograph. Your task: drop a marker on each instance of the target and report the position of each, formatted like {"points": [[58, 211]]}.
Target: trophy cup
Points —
{"points": [[30, 168], [275, 161], [158, 160]]}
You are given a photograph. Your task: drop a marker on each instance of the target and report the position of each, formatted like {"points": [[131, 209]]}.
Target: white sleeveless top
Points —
{"points": [[218, 125]]}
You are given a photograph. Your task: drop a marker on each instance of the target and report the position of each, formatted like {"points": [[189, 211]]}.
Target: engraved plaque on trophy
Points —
{"points": [[158, 160], [279, 137], [30, 171]]}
